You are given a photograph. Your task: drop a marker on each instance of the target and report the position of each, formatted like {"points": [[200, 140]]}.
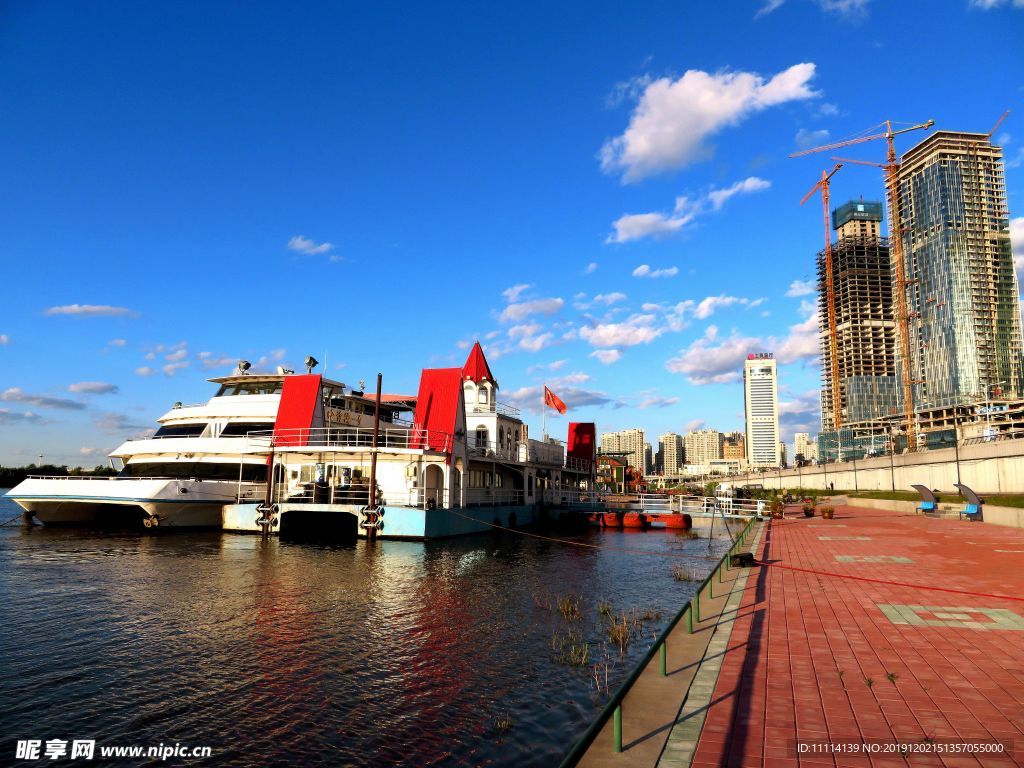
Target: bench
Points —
{"points": [[972, 509], [929, 502]]}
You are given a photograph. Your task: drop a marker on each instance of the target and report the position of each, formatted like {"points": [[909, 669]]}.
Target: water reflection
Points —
{"points": [[389, 653]]}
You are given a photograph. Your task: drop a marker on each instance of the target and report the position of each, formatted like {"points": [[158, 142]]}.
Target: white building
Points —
{"points": [[761, 401], [671, 449], [703, 446], [629, 442]]}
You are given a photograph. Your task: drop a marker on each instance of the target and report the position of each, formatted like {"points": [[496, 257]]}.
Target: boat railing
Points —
{"points": [[502, 409], [350, 437], [96, 477]]}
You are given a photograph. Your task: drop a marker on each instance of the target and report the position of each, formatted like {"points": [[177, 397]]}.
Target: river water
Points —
{"points": [[275, 653]]}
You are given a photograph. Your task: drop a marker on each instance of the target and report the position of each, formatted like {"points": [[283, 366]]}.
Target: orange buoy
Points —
{"points": [[678, 521], [594, 518], [611, 519], [634, 520]]}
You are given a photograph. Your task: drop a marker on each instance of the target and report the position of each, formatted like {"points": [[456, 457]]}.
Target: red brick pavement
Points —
{"points": [[804, 646]]}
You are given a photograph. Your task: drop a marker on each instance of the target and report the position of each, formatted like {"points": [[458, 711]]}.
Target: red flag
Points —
{"points": [[553, 400]]}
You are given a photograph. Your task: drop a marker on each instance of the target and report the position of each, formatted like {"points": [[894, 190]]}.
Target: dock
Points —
{"points": [[877, 638]]}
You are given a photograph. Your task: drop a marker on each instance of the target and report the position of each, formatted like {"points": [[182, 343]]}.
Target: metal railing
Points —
{"points": [[502, 409], [613, 708], [350, 437]]}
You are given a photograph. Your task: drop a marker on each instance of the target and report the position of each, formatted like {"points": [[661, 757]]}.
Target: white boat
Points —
{"points": [[200, 458]]}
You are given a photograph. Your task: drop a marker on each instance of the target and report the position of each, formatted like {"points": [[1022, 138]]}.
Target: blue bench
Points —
{"points": [[972, 509], [929, 502]]}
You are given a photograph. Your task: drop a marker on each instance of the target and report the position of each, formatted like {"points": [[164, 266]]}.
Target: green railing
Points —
{"points": [[613, 709]]}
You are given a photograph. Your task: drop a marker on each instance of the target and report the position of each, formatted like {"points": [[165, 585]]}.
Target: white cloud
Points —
{"points": [[710, 361], [847, 8], [177, 353], [93, 388], [706, 308], [512, 294], [674, 118], [609, 298], [171, 368], [1017, 244], [705, 362], [91, 310], [656, 401], [8, 416], [532, 398], [769, 7], [120, 423], [117, 342], [591, 268], [627, 90], [987, 5], [522, 310], [88, 451], [709, 305], [801, 288], [693, 425], [636, 226], [4, 339], [644, 270], [145, 370], [209, 361], [638, 329], [302, 244], [607, 356], [806, 139], [718, 197], [18, 395], [802, 343]]}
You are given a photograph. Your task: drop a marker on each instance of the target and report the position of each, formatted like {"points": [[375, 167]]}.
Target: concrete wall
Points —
{"points": [[987, 468]]}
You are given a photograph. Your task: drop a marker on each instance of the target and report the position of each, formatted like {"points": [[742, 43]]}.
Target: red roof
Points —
{"points": [[476, 367], [437, 407]]}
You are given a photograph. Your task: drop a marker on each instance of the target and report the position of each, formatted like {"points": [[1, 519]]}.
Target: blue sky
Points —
{"points": [[599, 192]]}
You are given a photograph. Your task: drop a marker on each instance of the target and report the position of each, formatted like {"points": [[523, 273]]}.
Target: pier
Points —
{"points": [[875, 628]]}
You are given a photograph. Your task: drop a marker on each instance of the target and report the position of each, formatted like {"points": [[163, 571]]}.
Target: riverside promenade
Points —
{"points": [[885, 658]]}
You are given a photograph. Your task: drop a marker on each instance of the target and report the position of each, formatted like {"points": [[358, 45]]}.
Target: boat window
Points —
{"points": [[181, 430], [242, 428], [204, 470], [249, 388]]}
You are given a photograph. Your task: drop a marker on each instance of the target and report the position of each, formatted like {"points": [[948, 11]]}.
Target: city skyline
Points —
{"points": [[191, 184]]}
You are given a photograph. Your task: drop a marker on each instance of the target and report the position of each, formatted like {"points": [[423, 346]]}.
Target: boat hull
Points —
{"points": [[397, 522], [127, 502]]}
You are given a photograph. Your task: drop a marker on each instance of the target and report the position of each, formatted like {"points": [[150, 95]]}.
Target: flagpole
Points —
{"points": [[544, 413]]}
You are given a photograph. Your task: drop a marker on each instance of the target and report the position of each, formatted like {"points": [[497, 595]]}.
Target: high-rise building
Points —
{"points": [[702, 446], [802, 447], [761, 401], [782, 454], [629, 443], [865, 327], [648, 458], [734, 446], [672, 454], [964, 322]]}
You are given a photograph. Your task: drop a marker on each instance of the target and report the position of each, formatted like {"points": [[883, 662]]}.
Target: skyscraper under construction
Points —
{"points": [[964, 318], [865, 328]]}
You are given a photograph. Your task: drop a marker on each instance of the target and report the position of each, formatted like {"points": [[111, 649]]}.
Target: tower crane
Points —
{"points": [[830, 294], [891, 167]]}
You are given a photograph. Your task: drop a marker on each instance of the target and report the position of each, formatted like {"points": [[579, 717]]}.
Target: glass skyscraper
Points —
{"points": [[962, 295]]}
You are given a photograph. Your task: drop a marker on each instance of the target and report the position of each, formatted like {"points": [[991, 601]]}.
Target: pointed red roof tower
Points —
{"points": [[476, 367]]}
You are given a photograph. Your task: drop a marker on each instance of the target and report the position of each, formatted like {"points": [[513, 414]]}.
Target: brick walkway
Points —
{"points": [[829, 659]]}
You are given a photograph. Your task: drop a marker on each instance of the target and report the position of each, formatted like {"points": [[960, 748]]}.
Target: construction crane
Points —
{"points": [[998, 123], [830, 294], [891, 167]]}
